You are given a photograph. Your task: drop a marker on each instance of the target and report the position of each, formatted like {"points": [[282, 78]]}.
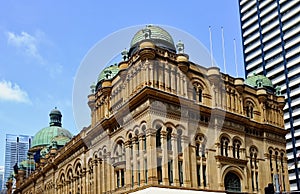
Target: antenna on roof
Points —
{"points": [[211, 49], [235, 59], [223, 48]]}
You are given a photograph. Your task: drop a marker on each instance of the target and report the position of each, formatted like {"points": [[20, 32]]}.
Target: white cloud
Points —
{"points": [[12, 92], [26, 43], [32, 45]]}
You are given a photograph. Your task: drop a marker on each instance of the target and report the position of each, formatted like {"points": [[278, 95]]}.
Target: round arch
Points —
{"points": [[232, 182], [235, 170]]}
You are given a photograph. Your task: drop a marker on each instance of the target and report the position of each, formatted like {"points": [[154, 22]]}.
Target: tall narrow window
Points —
{"points": [[158, 136], [256, 180], [198, 175], [170, 171], [204, 175], [138, 146], [194, 93], [276, 158], [179, 146], [122, 178], [146, 171], [169, 136], [159, 171], [132, 176], [139, 174], [180, 170], [199, 95], [197, 149], [249, 110], [118, 179], [270, 158]]}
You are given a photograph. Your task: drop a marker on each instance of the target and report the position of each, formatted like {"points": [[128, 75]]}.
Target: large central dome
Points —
{"points": [[54, 132], [155, 34]]}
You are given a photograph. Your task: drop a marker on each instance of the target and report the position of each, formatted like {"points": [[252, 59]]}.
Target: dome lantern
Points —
{"points": [[55, 117]]}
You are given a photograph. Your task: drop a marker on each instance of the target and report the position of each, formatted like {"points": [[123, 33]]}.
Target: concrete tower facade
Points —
{"points": [[271, 43]]}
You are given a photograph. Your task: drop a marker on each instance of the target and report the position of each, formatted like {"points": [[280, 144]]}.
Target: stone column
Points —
{"points": [[83, 186], [135, 162], [151, 156], [141, 158], [194, 182], [164, 163], [128, 165], [186, 162], [110, 178], [175, 160], [95, 171]]}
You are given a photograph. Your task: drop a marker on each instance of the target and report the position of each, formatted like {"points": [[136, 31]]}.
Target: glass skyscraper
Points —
{"points": [[16, 149], [1, 177], [271, 45]]}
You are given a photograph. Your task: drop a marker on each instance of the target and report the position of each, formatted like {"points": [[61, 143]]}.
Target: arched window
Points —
{"points": [[200, 145], [249, 110], [158, 135], [224, 146], [144, 138], [197, 92], [236, 148], [232, 182]]}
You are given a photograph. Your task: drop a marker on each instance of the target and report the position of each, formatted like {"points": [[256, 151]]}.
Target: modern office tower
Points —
{"points": [[1, 177], [16, 149], [271, 44]]}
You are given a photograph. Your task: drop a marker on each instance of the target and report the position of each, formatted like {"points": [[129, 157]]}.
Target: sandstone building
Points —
{"points": [[160, 122]]}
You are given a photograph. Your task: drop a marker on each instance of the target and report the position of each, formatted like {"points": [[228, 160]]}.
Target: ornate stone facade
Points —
{"points": [[163, 121]]}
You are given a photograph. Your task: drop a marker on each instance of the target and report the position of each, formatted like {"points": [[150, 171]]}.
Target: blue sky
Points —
{"points": [[42, 44]]}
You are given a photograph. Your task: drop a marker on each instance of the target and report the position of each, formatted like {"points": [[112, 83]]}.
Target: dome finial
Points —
{"points": [[180, 47], [55, 117]]}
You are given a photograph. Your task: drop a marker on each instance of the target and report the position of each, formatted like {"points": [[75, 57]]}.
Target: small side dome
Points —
{"points": [[259, 81], [154, 34], [108, 73]]}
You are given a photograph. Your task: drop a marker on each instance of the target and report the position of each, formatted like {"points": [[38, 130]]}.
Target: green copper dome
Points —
{"points": [[155, 34], [108, 73], [258, 81], [45, 136]]}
